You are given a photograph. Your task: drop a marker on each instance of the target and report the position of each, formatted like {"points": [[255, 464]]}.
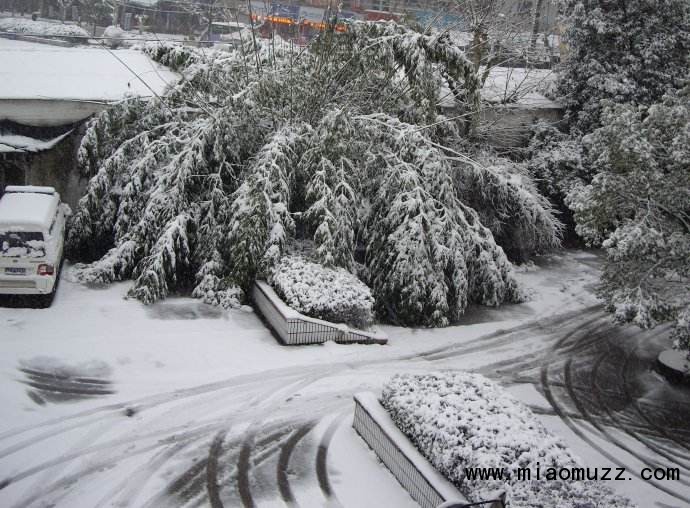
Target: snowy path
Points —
{"points": [[207, 410]]}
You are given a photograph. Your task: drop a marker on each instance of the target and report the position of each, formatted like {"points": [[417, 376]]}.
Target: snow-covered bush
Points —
{"points": [[324, 293], [27, 26], [461, 420], [204, 189]]}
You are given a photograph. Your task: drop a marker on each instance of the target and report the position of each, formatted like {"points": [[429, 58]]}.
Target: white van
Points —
{"points": [[32, 230]]}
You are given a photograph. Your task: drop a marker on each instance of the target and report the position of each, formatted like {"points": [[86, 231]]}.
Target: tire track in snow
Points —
{"points": [[322, 460], [125, 492], [152, 401], [588, 440], [618, 423], [70, 480], [283, 466], [503, 337], [638, 408], [212, 487], [534, 359], [577, 339], [243, 467], [112, 460]]}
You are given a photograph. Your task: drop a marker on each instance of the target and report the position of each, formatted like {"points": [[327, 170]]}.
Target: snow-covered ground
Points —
{"points": [[106, 402], [6, 44]]}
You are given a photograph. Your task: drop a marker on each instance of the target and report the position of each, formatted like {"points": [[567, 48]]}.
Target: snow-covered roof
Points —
{"points": [[144, 3], [78, 74], [516, 86], [27, 211], [40, 189], [230, 24], [525, 87], [17, 143]]}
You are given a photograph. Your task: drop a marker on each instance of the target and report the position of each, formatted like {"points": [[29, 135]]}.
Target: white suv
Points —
{"points": [[32, 230]]}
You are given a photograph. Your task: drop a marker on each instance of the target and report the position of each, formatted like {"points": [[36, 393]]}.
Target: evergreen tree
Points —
{"points": [[262, 146], [261, 222], [622, 166], [638, 208], [624, 51], [428, 255]]}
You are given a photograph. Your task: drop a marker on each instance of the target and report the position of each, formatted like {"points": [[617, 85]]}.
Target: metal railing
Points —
{"points": [[297, 329], [424, 487], [395, 460]]}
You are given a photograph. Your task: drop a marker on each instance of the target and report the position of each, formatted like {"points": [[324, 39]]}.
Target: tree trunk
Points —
{"points": [[479, 41], [536, 19]]}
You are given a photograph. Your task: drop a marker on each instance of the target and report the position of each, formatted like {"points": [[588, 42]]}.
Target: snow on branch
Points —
{"points": [[339, 146]]}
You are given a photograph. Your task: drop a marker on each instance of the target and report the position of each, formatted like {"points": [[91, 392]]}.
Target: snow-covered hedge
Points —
{"points": [[324, 293], [27, 26], [461, 420]]}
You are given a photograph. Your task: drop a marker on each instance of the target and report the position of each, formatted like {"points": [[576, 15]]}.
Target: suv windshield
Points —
{"points": [[22, 243]]}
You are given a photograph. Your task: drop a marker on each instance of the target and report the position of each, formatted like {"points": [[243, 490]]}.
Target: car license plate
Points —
{"points": [[12, 270]]}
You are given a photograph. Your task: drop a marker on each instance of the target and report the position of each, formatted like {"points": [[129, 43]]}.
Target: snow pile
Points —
{"points": [[26, 26], [113, 36], [331, 294], [461, 420]]}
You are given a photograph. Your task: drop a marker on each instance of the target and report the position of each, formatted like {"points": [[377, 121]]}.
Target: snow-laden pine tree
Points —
{"points": [[638, 208], [509, 204], [342, 145], [623, 51], [328, 168], [428, 254], [618, 52]]}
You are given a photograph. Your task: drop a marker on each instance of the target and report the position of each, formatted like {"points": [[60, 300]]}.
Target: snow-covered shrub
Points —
{"points": [[173, 56], [27, 26], [324, 293], [461, 420]]}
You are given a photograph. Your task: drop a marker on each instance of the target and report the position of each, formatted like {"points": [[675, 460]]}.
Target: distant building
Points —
{"points": [[164, 16]]}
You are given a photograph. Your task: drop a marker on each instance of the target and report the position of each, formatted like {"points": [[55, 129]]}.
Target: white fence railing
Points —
{"points": [[293, 328], [421, 480]]}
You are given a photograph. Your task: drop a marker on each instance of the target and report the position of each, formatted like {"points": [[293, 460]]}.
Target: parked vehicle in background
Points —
{"points": [[32, 230]]}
